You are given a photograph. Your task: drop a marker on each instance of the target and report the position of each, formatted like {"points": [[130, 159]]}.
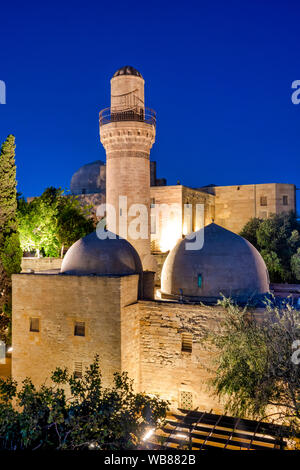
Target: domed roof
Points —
{"points": [[90, 178], [127, 70], [91, 255], [226, 264]]}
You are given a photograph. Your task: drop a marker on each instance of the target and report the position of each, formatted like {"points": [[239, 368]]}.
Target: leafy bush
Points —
{"points": [[88, 416], [278, 240], [257, 363]]}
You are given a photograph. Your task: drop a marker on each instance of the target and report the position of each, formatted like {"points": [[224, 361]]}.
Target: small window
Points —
{"points": [[263, 201], [34, 325], [186, 342], [83, 191], [186, 400], [152, 201], [285, 200], [199, 280], [263, 214], [79, 329], [78, 370]]}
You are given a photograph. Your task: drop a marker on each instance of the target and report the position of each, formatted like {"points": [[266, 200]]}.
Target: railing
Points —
{"points": [[145, 115]]}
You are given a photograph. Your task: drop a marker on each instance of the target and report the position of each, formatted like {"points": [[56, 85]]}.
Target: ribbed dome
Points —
{"points": [[227, 264], [90, 178], [127, 70], [91, 255]]}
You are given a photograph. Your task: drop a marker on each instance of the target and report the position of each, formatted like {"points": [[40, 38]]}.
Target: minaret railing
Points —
{"points": [[138, 114]]}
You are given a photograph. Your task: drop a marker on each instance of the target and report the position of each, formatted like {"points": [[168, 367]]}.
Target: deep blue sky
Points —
{"points": [[218, 73]]}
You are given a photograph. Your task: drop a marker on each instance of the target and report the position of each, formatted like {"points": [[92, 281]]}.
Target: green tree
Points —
{"points": [[73, 222], [87, 416], [273, 264], [51, 222], [278, 239], [295, 264], [256, 363], [10, 250], [250, 230]]}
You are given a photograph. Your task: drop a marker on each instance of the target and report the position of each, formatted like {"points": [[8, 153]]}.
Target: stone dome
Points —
{"points": [[127, 70], [226, 264], [91, 255], [90, 178]]}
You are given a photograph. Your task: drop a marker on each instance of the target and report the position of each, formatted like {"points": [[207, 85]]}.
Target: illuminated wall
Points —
{"points": [[177, 220]]}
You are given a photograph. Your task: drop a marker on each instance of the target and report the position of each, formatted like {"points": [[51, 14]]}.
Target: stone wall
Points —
{"points": [[160, 258], [5, 369], [58, 301], [235, 205], [194, 197], [229, 206], [165, 369], [166, 228], [143, 338], [171, 226], [40, 264], [130, 343]]}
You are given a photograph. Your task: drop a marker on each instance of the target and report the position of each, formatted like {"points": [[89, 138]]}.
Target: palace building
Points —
{"points": [[102, 299]]}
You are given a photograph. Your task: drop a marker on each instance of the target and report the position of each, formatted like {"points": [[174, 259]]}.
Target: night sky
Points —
{"points": [[218, 74]]}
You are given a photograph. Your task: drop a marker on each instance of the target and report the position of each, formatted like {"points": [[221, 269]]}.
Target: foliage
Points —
{"points": [[278, 240], [256, 364], [10, 250], [250, 230], [52, 221], [295, 264], [90, 417]]}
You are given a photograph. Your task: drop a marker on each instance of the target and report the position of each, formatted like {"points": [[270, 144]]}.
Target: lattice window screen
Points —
{"points": [[186, 400]]}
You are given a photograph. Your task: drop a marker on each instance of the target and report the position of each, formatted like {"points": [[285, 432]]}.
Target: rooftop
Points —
{"points": [[127, 70]]}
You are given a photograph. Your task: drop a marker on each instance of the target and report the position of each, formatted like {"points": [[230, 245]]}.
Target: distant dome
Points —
{"points": [[91, 255], [127, 70], [227, 264], [90, 178]]}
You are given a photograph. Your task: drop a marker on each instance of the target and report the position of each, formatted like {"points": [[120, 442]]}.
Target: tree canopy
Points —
{"points": [[257, 363], [10, 250], [51, 222], [76, 414], [278, 240]]}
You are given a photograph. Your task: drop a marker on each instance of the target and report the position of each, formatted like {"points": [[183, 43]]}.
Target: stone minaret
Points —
{"points": [[127, 132]]}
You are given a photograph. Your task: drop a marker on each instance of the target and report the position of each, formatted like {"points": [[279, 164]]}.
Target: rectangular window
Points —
{"points": [[79, 328], [186, 342], [186, 400], [263, 201], [78, 370], [199, 280], [34, 325], [285, 200]]}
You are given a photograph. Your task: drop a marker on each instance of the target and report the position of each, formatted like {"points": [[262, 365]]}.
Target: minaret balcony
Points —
{"points": [[145, 115]]}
